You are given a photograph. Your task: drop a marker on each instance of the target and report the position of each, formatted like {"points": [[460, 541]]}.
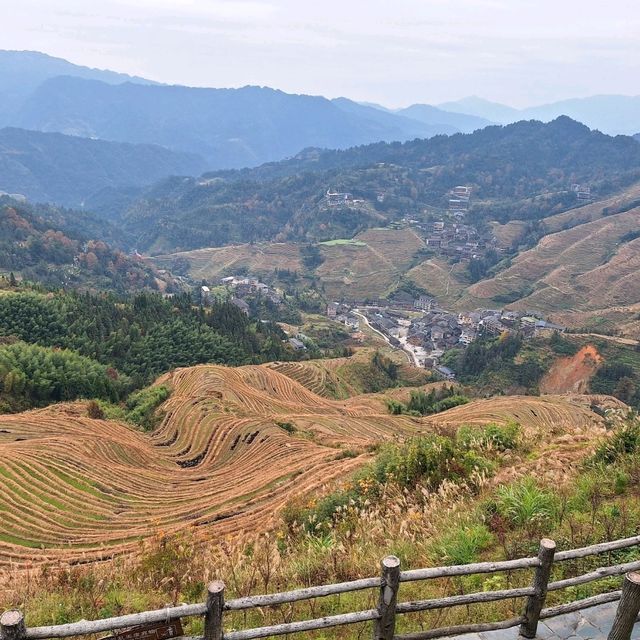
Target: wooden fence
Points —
{"points": [[383, 617]]}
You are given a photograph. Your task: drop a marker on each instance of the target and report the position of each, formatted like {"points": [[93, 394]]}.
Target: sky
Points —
{"points": [[393, 52]]}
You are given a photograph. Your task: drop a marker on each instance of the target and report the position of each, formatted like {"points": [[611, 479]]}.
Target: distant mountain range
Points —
{"points": [[22, 72], [51, 167], [610, 114], [228, 127], [245, 127]]}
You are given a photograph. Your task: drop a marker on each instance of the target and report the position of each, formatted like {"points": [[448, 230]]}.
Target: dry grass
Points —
{"points": [[222, 461], [584, 268]]}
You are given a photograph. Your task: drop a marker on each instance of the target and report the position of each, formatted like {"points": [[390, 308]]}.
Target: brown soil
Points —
{"points": [[572, 374]]}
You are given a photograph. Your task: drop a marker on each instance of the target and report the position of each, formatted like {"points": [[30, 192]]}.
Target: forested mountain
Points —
{"points": [[506, 166], [59, 247], [21, 72], [610, 114], [228, 127], [67, 170], [116, 345]]}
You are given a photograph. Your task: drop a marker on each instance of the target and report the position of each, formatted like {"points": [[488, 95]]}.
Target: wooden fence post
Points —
{"points": [[215, 606], [628, 608], [12, 626], [384, 627], [529, 627]]}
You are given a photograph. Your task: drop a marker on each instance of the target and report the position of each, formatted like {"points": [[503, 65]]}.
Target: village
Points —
{"points": [[445, 232], [426, 331]]}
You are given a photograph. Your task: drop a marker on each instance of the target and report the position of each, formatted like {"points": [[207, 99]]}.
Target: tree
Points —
{"points": [[13, 283], [625, 390], [94, 410]]}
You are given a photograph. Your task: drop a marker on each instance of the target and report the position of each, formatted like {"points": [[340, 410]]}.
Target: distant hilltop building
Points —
{"points": [[583, 192], [462, 192], [459, 200], [336, 198]]}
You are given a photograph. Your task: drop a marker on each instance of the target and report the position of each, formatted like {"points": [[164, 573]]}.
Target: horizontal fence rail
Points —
{"points": [[387, 584]]}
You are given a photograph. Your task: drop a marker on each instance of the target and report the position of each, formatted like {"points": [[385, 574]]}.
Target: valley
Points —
{"points": [[267, 336]]}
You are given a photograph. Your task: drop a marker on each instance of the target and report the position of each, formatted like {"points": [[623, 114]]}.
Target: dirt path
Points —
{"points": [[410, 356]]}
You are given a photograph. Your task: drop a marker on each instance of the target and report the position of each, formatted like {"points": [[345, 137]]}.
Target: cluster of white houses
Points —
{"points": [[430, 335], [241, 289]]}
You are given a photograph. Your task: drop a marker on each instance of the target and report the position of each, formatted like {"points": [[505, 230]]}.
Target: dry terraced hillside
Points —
{"points": [[574, 275], [369, 266], [234, 446]]}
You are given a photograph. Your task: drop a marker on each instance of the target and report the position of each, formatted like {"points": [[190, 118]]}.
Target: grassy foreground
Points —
{"points": [[446, 499]]}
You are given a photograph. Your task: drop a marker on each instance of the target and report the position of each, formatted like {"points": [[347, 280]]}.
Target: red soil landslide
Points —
{"points": [[572, 374]]}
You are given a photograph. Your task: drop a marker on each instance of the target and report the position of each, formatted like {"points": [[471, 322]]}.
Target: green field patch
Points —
{"points": [[22, 542], [14, 483], [86, 486], [344, 241]]}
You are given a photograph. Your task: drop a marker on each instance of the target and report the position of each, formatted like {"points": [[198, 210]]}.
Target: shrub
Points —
{"points": [[289, 427], [622, 443], [143, 404], [428, 459], [463, 544], [524, 504], [491, 436], [94, 410]]}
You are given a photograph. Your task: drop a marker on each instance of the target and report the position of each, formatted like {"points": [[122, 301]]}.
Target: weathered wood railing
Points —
{"points": [[12, 625]]}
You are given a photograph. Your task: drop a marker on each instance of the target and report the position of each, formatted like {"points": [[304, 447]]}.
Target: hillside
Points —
{"points": [[228, 127], [66, 248], [83, 489], [68, 170], [575, 275], [521, 171], [369, 266]]}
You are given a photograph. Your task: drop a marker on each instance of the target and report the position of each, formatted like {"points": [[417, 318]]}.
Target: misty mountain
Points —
{"points": [[228, 127], [610, 114], [406, 125], [437, 117], [22, 72], [67, 170], [481, 108]]}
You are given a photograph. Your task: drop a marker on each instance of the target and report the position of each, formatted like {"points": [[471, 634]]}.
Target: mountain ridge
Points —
{"points": [[67, 170], [610, 113]]}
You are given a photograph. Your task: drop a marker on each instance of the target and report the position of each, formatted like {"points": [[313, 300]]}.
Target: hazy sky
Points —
{"points": [[397, 52]]}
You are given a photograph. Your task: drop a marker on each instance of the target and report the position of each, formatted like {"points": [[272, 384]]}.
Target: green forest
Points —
{"points": [[62, 346], [507, 167]]}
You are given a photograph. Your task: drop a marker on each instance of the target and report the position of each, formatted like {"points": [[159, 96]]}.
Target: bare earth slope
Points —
{"points": [[79, 490]]}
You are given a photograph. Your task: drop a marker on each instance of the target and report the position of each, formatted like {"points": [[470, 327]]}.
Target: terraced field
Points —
{"points": [[234, 446], [217, 262], [368, 267], [588, 267], [78, 489]]}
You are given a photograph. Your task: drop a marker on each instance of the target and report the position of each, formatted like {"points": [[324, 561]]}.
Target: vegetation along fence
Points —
{"points": [[383, 617]]}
